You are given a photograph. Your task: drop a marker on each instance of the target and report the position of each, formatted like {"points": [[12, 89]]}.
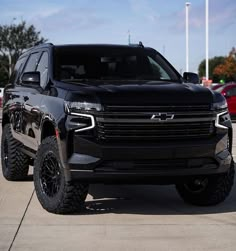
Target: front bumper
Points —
{"points": [[146, 162]]}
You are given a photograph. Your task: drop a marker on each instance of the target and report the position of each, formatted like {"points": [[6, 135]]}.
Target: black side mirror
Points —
{"points": [[31, 78], [227, 95], [191, 77]]}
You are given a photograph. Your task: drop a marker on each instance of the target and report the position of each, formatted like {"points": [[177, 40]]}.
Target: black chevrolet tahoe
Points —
{"points": [[113, 114]]}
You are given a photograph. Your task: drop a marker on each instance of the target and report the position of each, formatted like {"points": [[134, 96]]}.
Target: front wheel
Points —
{"points": [[208, 190], [55, 194]]}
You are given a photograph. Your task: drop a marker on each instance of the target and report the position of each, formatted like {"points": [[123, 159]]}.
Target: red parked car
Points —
{"points": [[214, 87], [229, 91]]}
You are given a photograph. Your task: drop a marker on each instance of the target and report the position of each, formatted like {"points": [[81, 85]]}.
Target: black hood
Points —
{"points": [[140, 93]]}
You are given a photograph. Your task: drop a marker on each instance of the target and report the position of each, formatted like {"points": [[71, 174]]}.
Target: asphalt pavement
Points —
{"points": [[116, 218]]}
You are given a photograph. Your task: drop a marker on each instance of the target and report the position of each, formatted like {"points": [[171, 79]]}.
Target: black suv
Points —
{"points": [[83, 114]]}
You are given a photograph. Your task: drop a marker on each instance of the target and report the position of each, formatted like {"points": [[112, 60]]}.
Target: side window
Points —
{"points": [[17, 70], [32, 62], [231, 92], [43, 69]]}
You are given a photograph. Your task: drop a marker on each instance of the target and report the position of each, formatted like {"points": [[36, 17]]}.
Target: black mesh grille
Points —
{"points": [[135, 123]]}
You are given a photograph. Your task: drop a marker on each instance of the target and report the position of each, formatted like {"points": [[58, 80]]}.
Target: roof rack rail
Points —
{"points": [[39, 45], [140, 44], [36, 46]]}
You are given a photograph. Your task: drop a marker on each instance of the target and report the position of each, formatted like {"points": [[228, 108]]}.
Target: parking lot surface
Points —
{"points": [[116, 218]]}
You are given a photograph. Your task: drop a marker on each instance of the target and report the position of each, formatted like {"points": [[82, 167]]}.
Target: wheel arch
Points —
{"points": [[48, 129]]}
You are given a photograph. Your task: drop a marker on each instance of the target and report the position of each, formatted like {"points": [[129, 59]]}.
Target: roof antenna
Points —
{"points": [[140, 44]]}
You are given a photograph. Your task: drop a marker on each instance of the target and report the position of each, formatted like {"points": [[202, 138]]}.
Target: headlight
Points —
{"points": [[73, 107], [220, 105], [83, 121], [218, 118]]}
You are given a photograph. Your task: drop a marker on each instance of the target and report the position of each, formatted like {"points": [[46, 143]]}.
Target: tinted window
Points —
{"points": [[220, 89], [17, 70], [32, 62], [43, 69], [108, 63], [231, 92]]}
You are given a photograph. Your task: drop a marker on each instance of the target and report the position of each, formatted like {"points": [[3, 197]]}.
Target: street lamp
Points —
{"points": [[207, 40], [187, 4], [129, 36]]}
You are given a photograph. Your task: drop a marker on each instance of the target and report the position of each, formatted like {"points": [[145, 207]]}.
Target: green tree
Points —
{"points": [[227, 70], [232, 53], [3, 71], [213, 63], [14, 39]]}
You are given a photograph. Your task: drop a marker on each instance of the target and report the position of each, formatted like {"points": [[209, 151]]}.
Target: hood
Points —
{"points": [[141, 93]]}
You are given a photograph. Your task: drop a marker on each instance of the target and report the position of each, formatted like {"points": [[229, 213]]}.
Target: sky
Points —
{"points": [[157, 23]]}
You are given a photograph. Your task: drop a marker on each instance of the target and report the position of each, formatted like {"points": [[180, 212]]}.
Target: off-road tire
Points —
{"points": [[15, 164], [69, 197], [216, 191]]}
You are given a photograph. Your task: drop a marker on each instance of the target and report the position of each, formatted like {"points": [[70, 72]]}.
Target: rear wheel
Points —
{"points": [[55, 194], [15, 164], [208, 190]]}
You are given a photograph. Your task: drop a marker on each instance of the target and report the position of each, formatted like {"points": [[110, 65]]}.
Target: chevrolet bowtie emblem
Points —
{"points": [[162, 116]]}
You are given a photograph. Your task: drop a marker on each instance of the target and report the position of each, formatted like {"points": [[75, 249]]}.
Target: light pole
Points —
{"points": [[187, 4], [129, 37], [207, 40]]}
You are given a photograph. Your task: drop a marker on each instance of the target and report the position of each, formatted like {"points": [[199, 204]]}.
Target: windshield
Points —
{"points": [[74, 64], [220, 89]]}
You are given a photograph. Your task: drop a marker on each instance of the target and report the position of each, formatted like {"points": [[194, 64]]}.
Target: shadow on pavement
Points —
{"points": [[148, 200], [29, 178]]}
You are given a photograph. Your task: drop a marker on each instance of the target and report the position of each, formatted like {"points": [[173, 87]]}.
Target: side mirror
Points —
{"points": [[226, 95], [191, 77], [31, 78]]}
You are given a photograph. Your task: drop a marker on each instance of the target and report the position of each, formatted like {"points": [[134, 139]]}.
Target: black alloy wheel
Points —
{"points": [[50, 175], [197, 185]]}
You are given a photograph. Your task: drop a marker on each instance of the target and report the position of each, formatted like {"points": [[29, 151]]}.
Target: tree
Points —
{"points": [[14, 39], [233, 52], [3, 71], [227, 70], [213, 63]]}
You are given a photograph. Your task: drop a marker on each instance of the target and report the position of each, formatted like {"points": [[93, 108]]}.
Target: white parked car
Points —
{"points": [[1, 92], [1, 96]]}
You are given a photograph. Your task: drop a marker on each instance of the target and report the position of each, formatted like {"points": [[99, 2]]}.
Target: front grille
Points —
{"points": [[153, 131], [135, 123]]}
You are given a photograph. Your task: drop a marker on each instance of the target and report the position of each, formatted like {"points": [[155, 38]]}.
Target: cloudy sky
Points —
{"points": [[157, 23]]}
